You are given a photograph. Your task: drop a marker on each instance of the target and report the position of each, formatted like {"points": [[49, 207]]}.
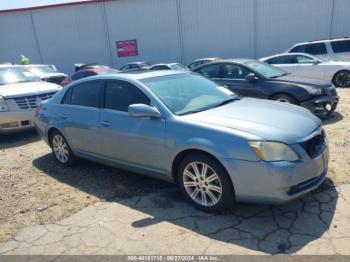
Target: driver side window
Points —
{"points": [[233, 71], [304, 59]]}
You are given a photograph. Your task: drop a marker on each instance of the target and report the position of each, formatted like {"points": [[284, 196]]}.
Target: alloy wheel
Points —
{"points": [[60, 148], [342, 79], [202, 184]]}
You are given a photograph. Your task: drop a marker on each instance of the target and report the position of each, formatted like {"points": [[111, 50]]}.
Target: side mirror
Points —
{"points": [[315, 62], [142, 110], [251, 77]]}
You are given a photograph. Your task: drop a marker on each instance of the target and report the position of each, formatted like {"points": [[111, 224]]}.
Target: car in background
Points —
{"points": [[253, 78], [48, 73], [332, 49], [181, 127], [301, 64], [202, 61], [83, 73], [169, 66], [81, 66], [135, 66], [20, 93]]}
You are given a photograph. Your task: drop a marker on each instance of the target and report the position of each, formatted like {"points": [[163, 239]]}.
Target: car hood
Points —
{"points": [[271, 120], [312, 82], [27, 88]]}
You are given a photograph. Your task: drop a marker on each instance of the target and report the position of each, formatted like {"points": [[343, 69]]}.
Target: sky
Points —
{"points": [[18, 4]]}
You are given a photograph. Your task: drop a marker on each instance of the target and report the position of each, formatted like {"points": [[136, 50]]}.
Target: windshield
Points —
{"points": [[188, 93], [265, 69], [9, 75], [42, 70]]}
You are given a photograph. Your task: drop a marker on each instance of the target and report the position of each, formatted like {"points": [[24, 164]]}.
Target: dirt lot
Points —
{"points": [[34, 189]]}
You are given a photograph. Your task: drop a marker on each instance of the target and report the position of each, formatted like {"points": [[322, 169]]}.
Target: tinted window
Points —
{"points": [[298, 49], [341, 46], [78, 75], [304, 59], [195, 64], [67, 96], [160, 67], [119, 95], [232, 71], [210, 71], [290, 59], [86, 94], [316, 49]]}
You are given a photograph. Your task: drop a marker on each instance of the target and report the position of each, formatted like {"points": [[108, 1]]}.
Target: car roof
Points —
{"points": [[286, 54], [322, 41], [9, 66], [138, 75], [166, 64], [235, 60], [207, 58]]}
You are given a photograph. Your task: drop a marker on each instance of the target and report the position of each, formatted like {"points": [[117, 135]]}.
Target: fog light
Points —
{"points": [[9, 125], [328, 107]]}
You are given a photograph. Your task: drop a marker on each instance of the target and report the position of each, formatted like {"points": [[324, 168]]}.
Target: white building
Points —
{"points": [[166, 30]]}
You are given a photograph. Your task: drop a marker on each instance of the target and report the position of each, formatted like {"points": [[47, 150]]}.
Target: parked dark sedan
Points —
{"points": [[253, 78]]}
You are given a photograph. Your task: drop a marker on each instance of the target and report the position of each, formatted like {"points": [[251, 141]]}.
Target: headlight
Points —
{"points": [[3, 105], [316, 91], [273, 151]]}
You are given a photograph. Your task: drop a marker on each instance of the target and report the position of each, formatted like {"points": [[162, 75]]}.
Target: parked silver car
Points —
{"points": [[184, 128], [20, 93]]}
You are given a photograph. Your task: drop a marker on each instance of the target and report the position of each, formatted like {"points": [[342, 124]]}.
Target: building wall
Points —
{"points": [[167, 30]]}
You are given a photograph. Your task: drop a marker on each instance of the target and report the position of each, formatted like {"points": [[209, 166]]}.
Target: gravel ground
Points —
{"points": [[34, 189]]}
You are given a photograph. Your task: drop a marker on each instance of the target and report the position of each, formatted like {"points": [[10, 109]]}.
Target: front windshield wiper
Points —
{"points": [[227, 101]]}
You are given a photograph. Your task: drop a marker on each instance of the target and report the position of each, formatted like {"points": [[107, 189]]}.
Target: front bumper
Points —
{"points": [[16, 121], [322, 106], [277, 182]]}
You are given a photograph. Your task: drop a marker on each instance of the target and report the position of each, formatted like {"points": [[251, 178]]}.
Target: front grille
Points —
{"points": [[312, 146], [55, 79], [30, 102]]}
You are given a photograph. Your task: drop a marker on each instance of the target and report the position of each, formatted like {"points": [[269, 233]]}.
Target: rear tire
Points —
{"points": [[285, 98], [205, 183], [61, 150], [341, 79]]}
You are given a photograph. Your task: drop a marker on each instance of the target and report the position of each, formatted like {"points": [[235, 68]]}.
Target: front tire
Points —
{"points": [[205, 183], [61, 150], [285, 98], [341, 79]]}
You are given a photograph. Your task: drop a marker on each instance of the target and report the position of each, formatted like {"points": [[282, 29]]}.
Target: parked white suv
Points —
{"points": [[334, 49], [20, 93]]}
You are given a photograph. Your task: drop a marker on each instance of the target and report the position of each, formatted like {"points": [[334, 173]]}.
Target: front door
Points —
{"points": [[132, 140]]}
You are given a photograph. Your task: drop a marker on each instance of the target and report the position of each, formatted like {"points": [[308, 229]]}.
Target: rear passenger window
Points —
{"points": [[211, 71], [289, 59], [298, 49], [120, 94], [316, 49], [86, 94], [341, 46]]}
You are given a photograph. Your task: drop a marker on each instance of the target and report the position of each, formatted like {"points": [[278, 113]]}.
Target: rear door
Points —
{"points": [[79, 116]]}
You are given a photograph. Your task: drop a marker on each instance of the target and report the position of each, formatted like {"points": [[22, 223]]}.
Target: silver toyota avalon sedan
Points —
{"points": [[181, 127]]}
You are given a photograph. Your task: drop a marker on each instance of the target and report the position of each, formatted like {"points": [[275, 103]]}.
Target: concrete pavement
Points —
{"points": [[163, 222]]}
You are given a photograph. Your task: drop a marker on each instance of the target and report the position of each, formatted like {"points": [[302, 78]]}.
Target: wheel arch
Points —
{"points": [[184, 153], [284, 93], [337, 72], [50, 132]]}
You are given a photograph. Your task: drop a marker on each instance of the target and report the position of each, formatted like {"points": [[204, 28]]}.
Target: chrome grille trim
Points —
{"points": [[31, 102]]}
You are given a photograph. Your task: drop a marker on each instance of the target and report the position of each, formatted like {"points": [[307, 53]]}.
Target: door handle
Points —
{"points": [[105, 123], [63, 116]]}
